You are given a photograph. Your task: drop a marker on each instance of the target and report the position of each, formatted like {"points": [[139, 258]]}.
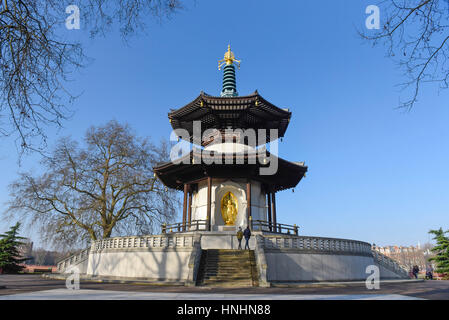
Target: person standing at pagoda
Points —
{"points": [[247, 235], [240, 237]]}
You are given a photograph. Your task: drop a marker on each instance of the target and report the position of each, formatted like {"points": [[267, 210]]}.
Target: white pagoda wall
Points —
{"points": [[283, 266], [155, 264]]}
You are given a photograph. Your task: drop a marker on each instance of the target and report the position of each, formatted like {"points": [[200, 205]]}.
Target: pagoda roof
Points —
{"points": [[242, 165], [241, 112]]}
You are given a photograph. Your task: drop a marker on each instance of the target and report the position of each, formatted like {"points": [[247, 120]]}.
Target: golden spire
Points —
{"points": [[229, 58]]}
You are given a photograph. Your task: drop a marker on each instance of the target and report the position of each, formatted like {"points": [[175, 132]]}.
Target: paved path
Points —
{"points": [[86, 294], [34, 284]]}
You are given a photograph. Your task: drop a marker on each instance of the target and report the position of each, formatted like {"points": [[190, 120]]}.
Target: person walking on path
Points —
{"points": [[240, 237], [429, 272], [415, 271], [247, 234]]}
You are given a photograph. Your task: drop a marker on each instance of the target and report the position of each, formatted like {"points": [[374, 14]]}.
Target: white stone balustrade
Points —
{"points": [[73, 259], [158, 241], [316, 244], [388, 262]]}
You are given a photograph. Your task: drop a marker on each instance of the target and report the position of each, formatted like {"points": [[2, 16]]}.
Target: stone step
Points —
{"points": [[238, 255], [234, 256], [246, 260], [222, 276], [226, 251], [220, 281], [230, 253], [229, 264], [228, 268], [228, 272], [215, 274], [227, 282], [228, 285], [229, 258], [230, 275], [227, 278]]}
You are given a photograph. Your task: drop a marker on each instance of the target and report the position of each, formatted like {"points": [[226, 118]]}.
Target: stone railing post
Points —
{"points": [[261, 261], [194, 261]]}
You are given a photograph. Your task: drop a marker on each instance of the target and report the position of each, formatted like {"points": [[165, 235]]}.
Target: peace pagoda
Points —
{"points": [[229, 179], [224, 185]]}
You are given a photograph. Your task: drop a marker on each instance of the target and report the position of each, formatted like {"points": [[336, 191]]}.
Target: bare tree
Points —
{"points": [[106, 187], [416, 35], [36, 59]]}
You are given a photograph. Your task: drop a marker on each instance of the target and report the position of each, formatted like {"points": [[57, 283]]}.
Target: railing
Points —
{"points": [[389, 263], [194, 225], [262, 225], [316, 244], [73, 259], [159, 241]]}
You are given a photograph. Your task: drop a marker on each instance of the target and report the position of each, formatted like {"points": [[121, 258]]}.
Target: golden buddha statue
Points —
{"points": [[229, 209]]}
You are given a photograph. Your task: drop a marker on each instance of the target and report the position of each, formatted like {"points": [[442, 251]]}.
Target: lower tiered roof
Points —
{"points": [[242, 165]]}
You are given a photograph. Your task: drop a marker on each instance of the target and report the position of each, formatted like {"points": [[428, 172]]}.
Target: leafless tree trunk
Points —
{"points": [[93, 191]]}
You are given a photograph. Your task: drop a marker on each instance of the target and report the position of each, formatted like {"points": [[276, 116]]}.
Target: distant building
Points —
{"points": [[407, 257], [26, 249]]}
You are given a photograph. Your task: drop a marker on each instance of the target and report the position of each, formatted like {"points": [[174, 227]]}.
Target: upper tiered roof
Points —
{"points": [[230, 111], [241, 112]]}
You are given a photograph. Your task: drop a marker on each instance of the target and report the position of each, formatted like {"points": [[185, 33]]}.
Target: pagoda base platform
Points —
{"points": [[279, 258]]}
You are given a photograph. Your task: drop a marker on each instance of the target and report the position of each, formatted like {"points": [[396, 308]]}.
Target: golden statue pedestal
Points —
{"points": [[227, 228]]}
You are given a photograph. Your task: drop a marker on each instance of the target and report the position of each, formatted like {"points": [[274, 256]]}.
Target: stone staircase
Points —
{"points": [[78, 259], [390, 264], [227, 268]]}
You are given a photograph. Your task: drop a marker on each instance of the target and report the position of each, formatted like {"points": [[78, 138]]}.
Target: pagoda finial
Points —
{"points": [[228, 59], [229, 84]]}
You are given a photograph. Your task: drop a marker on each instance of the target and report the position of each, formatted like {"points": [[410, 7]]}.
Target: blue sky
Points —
{"points": [[376, 174]]}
